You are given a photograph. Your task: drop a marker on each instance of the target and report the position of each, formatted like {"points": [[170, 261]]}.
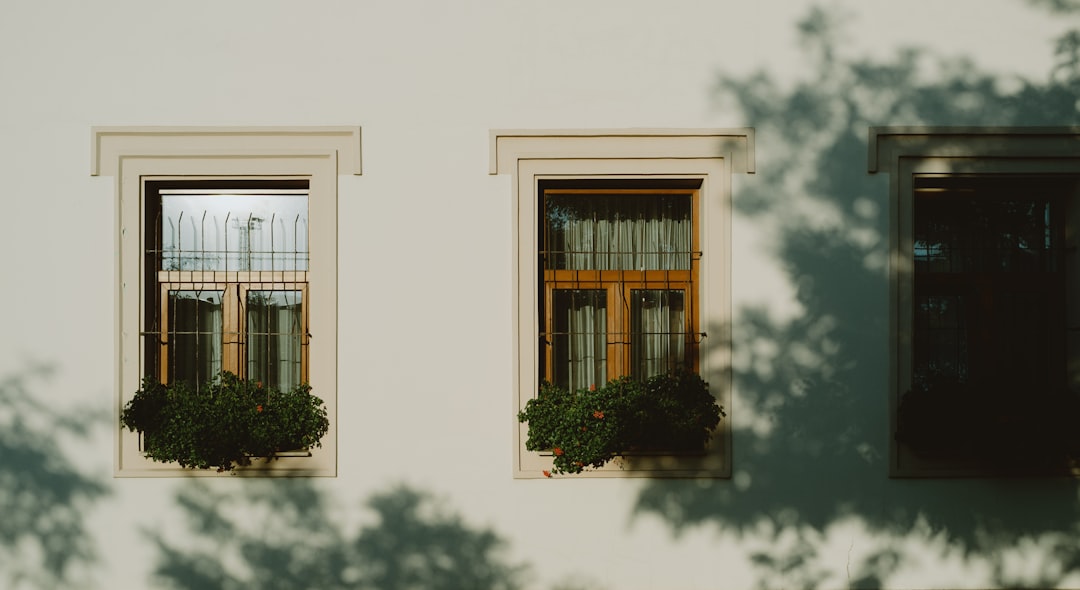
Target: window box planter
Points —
{"points": [[996, 428], [226, 424], [585, 429]]}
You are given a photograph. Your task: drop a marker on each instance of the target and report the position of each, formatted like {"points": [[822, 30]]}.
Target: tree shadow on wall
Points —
{"points": [[284, 534], [44, 498], [811, 439]]}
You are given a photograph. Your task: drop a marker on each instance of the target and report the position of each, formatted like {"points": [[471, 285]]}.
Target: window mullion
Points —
{"points": [[163, 335], [547, 339], [619, 334], [232, 330]]}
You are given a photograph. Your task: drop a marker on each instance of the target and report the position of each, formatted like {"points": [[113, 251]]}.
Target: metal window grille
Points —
{"points": [[226, 275]]}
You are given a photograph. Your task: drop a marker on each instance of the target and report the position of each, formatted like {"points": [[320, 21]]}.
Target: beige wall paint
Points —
{"points": [[425, 282]]}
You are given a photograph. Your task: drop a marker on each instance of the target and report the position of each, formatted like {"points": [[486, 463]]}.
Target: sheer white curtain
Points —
{"points": [[625, 233], [659, 331], [289, 329], [618, 232], [582, 324], [274, 332], [211, 326]]}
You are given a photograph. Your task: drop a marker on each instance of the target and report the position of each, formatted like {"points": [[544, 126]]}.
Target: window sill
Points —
{"points": [[280, 467], [909, 465], [134, 156], [713, 462]]}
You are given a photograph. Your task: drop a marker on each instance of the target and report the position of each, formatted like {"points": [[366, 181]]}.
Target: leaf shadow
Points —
{"points": [[811, 428], [44, 496], [287, 534]]}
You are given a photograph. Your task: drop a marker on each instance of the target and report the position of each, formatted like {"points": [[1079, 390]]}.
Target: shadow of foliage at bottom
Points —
{"points": [[283, 534], [44, 495]]}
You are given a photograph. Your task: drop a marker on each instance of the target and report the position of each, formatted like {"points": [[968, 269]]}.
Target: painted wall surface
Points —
{"points": [[424, 493]]}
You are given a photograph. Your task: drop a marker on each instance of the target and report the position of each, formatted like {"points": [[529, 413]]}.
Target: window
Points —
{"points": [[984, 277], [622, 267], [619, 267], [230, 261], [227, 261], [989, 282]]}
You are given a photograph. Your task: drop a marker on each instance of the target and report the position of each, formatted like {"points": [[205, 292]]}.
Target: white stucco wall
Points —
{"points": [[425, 270]]}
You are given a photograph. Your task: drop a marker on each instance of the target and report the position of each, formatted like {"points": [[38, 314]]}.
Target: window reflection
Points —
{"points": [[236, 230], [990, 283], [195, 336], [274, 338]]}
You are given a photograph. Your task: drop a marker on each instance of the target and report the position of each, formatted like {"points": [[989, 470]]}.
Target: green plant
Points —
{"points": [[996, 424], [226, 424], [589, 427]]}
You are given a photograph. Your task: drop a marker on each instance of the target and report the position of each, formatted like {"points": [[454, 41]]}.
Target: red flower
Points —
{"points": [[592, 387], [598, 415], [558, 452], [547, 473], [258, 408]]}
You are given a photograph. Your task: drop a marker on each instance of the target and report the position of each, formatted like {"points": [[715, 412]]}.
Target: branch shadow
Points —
{"points": [[285, 534], [44, 498], [811, 444]]}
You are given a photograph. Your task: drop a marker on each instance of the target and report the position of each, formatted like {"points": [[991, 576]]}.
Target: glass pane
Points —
{"points": [[988, 253], [195, 336], [658, 326], [941, 352], [617, 231], [237, 230], [956, 233], [579, 342], [1013, 340], [1023, 346], [274, 338]]}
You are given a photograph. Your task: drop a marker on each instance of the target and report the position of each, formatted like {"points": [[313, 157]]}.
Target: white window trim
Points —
{"points": [[903, 152], [707, 155], [133, 155]]}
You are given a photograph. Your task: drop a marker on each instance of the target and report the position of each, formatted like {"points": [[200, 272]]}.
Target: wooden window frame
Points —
{"points": [[136, 155], [620, 283], [705, 157], [234, 324]]}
